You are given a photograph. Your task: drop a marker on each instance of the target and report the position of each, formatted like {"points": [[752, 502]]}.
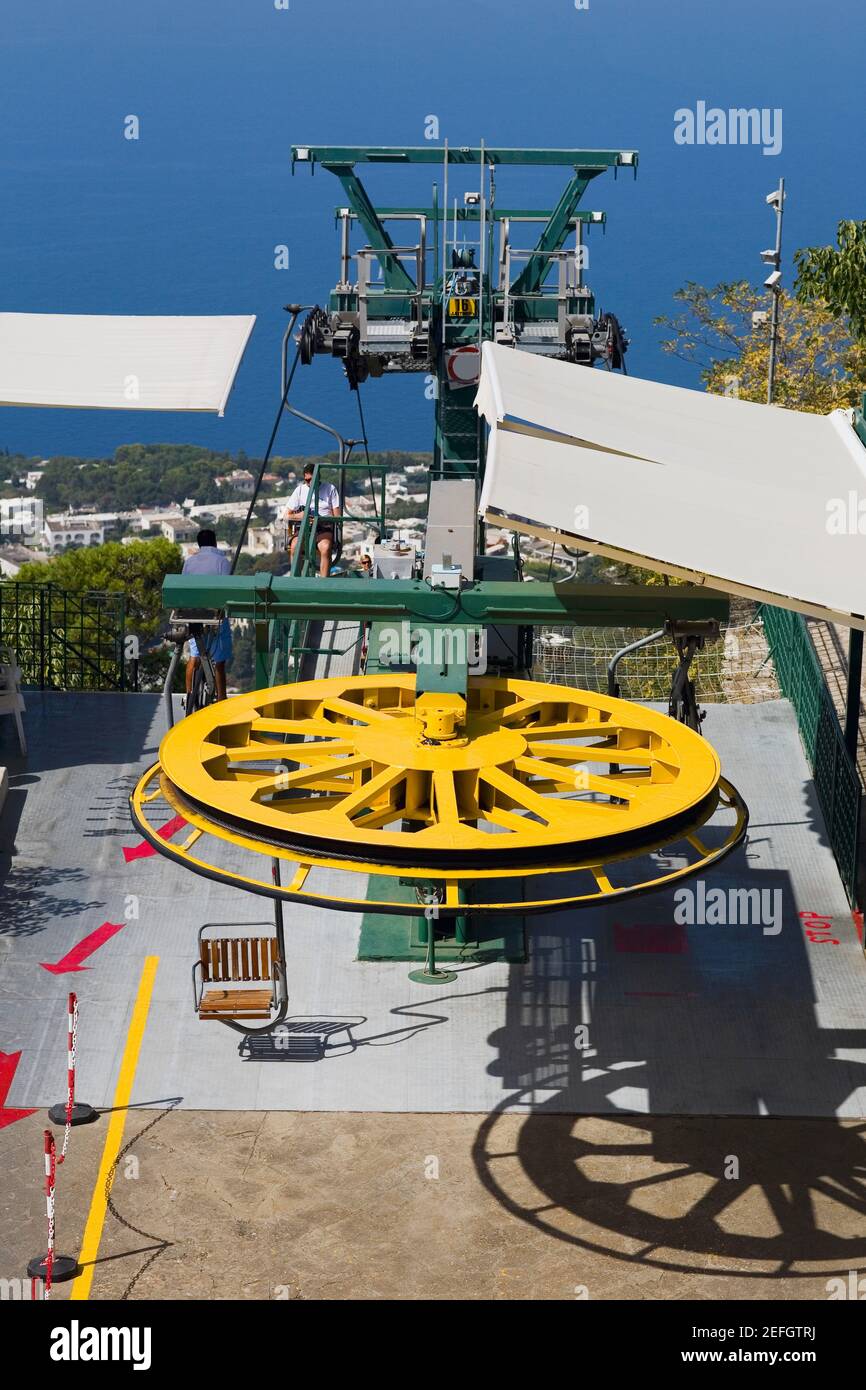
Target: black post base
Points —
{"points": [[64, 1267], [81, 1114]]}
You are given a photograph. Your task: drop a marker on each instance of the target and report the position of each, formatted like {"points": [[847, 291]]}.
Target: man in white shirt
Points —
{"points": [[329, 506], [209, 560]]}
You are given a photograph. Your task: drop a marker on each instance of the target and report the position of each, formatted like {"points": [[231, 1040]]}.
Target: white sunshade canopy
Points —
{"points": [[121, 362], [749, 499]]}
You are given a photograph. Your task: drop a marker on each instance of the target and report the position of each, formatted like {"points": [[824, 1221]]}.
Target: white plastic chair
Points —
{"points": [[11, 699]]}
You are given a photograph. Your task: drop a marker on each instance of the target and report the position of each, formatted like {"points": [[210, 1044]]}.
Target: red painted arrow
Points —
{"points": [[82, 949], [8, 1064], [143, 850]]}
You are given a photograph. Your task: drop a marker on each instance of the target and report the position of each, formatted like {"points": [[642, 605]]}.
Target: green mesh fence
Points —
{"points": [[837, 782]]}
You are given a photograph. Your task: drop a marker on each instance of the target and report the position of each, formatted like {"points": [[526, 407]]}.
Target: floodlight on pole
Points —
{"points": [[775, 200]]}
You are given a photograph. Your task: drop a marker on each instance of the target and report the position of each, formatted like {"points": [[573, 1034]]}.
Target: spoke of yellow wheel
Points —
{"points": [[306, 726], [362, 713], [190, 840], [278, 752], [368, 791], [301, 806], [698, 845], [571, 729], [601, 878], [579, 778], [240, 777], [513, 820], [508, 713], [300, 877], [374, 820], [303, 776], [552, 811], [445, 795], [601, 753], [329, 747]]}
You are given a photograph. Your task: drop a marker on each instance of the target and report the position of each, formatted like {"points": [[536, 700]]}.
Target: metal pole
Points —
{"points": [[852, 697], [777, 294]]}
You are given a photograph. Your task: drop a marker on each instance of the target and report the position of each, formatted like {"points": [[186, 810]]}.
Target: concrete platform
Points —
{"points": [[702, 1020]]}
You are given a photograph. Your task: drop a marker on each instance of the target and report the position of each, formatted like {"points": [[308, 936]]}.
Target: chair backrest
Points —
{"points": [[230, 960]]}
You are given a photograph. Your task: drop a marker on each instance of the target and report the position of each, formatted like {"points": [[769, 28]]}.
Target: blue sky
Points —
{"points": [[185, 219]]}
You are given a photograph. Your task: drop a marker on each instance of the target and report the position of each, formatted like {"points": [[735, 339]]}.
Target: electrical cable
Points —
{"points": [[267, 456]]}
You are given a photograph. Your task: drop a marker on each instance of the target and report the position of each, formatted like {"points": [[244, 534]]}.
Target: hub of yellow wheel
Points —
{"points": [[441, 717], [518, 774]]}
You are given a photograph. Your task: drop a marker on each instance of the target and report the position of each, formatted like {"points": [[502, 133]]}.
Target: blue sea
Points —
{"points": [[186, 218]]}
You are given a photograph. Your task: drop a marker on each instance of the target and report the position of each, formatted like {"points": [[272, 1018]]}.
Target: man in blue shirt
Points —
{"points": [[209, 560]]}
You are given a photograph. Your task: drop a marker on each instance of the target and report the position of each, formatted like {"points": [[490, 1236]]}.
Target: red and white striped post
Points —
{"points": [[70, 1113], [51, 1268]]}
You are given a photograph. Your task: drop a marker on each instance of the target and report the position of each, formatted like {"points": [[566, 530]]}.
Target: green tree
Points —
{"points": [[137, 570], [820, 364], [836, 276]]}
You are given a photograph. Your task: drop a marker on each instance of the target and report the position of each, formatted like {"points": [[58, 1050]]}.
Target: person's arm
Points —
{"points": [[294, 509], [335, 502]]}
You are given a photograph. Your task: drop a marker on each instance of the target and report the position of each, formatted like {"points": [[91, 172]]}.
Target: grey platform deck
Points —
{"points": [[720, 1020]]}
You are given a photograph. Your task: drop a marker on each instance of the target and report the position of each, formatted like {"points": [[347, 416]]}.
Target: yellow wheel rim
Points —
{"points": [[341, 767]]}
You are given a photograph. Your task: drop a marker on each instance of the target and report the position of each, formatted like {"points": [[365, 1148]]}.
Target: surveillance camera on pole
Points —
{"points": [[773, 257]]}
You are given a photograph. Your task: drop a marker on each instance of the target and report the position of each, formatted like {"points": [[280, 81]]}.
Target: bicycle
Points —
{"points": [[202, 625]]}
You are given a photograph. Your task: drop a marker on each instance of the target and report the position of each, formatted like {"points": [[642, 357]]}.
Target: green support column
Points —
{"points": [[263, 664]]}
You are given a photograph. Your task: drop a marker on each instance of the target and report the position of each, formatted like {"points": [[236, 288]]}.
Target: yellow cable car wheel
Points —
{"points": [[519, 779]]}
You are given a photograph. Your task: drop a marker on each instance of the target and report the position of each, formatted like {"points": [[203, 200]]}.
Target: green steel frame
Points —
{"points": [[263, 596], [459, 441], [281, 639]]}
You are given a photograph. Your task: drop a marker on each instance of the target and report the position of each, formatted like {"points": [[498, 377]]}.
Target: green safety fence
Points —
{"points": [[837, 781]]}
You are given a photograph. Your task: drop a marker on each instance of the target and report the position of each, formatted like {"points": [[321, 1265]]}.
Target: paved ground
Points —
{"points": [[737, 1019], [288, 1205], [466, 1143]]}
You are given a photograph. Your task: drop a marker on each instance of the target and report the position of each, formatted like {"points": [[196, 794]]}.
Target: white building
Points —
{"points": [[60, 532], [259, 540], [240, 480], [12, 557], [180, 530]]}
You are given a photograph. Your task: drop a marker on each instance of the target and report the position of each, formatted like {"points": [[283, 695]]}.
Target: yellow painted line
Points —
{"points": [[114, 1137]]}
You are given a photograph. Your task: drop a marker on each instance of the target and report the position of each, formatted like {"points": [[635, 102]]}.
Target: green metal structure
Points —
{"points": [[462, 278], [426, 303]]}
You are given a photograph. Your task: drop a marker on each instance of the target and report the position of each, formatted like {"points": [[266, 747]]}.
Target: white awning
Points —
{"points": [[749, 499], [121, 362]]}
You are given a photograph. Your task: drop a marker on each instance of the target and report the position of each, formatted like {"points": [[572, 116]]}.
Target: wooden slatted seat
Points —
{"points": [[245, 961], [237, 1003]]}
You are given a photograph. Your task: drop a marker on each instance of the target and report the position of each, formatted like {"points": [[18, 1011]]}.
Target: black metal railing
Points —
{"points": [[65, 641]]}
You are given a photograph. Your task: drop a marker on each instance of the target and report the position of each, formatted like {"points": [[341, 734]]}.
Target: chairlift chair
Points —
{"points": [[240, 977]]}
